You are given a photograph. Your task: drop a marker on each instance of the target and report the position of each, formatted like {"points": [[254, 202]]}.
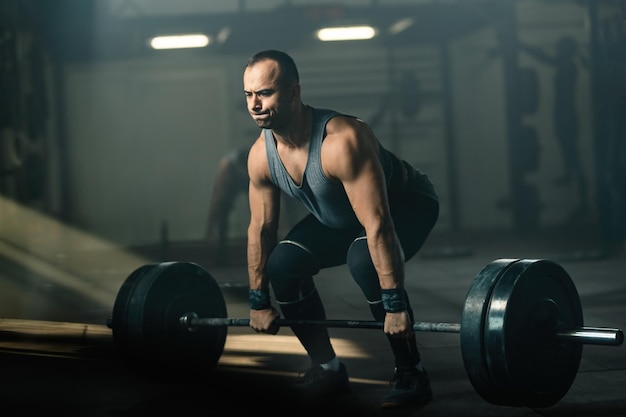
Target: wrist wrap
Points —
{"points": [[259, 299], [394, 299]]}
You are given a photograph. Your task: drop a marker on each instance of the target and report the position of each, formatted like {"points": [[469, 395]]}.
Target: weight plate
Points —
{"points": [[151, 337], [119, 325], [473, 325], [526, 363]]}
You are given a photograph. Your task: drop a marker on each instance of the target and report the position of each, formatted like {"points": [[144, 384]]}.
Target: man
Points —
{"points": [[369, 210], [231, 179]]}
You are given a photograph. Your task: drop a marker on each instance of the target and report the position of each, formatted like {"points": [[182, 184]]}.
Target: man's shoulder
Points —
{"points": [[257, 162], [257, 145], [324, 114]]}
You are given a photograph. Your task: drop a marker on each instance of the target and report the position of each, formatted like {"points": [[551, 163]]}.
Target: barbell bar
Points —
{"points": [[521, 330], [603, 336], [192, 322]]}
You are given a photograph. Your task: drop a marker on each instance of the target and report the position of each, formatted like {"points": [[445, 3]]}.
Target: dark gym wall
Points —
{"points": [[137, 135]]}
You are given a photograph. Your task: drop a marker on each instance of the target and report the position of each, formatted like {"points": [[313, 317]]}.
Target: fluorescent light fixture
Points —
{"points": [[192, 40], [346, 33]]}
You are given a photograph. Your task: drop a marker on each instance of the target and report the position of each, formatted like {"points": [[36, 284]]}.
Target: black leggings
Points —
{"points": [[310, 246]]}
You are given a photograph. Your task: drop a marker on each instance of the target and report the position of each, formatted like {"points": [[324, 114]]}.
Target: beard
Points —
{"points": [[274, 121], [263, 124]]}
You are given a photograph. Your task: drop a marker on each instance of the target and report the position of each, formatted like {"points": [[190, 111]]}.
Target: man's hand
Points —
{"points": [[398, 324], [264, 321]]}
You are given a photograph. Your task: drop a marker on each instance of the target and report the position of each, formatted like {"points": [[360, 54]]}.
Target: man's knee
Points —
{"points": [[289, 267], [362, 269]]}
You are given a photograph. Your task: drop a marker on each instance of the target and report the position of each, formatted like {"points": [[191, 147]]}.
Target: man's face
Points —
{"points": [[269, 104]]}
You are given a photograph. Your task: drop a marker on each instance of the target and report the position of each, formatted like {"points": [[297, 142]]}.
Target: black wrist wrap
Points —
{"points": [[394, 299], [259, 299]]}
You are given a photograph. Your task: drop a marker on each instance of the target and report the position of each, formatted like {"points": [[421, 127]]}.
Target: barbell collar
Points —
{"points": [[604, 336]]}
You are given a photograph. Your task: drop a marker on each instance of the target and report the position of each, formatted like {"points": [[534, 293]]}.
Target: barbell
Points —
{"points": [[521, 330]]}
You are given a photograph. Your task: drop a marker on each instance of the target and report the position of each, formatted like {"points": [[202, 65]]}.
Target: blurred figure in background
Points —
{"points": [[565, 114], [231, 180]]}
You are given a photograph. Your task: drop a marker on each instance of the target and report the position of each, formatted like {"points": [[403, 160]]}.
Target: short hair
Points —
{"points": [[288, 69]]}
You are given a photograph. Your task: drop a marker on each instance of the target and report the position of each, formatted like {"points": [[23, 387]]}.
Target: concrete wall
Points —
{"points": [[481, 127], [144, 140]]}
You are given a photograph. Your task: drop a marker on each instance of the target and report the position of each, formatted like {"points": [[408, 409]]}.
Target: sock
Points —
{"points": [[332, 365]]}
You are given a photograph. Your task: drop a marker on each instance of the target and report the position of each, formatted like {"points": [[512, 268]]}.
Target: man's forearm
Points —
{"points": [[259, 247], [388, 259]]}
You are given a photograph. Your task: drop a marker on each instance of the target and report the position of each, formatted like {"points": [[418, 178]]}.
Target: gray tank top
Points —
{"points": [[325, 199]]}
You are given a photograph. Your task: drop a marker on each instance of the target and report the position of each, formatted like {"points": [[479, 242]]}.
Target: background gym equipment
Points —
{"points": [[521, 331]]}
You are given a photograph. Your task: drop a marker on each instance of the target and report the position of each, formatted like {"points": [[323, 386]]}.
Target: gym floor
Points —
{"points": [[57, 353]]}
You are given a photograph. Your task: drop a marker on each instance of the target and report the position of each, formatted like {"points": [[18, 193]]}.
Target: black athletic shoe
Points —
{"points": [[409, 387], [318, 382]]}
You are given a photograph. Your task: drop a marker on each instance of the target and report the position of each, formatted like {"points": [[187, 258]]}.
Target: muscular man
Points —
{"points": [[368, 209]]}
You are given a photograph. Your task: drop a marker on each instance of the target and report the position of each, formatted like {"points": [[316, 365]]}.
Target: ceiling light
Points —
{"points": [[346, 33], [192, 40]]}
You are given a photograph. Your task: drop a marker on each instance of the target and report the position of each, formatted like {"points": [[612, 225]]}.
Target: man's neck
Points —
{"points": [[299, 132]]}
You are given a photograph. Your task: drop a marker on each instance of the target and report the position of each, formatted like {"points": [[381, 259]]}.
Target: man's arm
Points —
{"points": [[264, 199], [350, 155]]}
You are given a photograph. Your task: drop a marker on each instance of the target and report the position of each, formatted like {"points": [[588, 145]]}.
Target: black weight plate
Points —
{"points": [[155, 340], [119, 325], [473, 325], [524, 359]]}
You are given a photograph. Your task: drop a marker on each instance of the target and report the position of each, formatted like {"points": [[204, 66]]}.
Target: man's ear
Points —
{"points": [[295, 91]]}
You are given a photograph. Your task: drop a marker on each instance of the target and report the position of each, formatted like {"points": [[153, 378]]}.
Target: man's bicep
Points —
{"points": [[363, 179], [367, 195], [264, 199]]}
